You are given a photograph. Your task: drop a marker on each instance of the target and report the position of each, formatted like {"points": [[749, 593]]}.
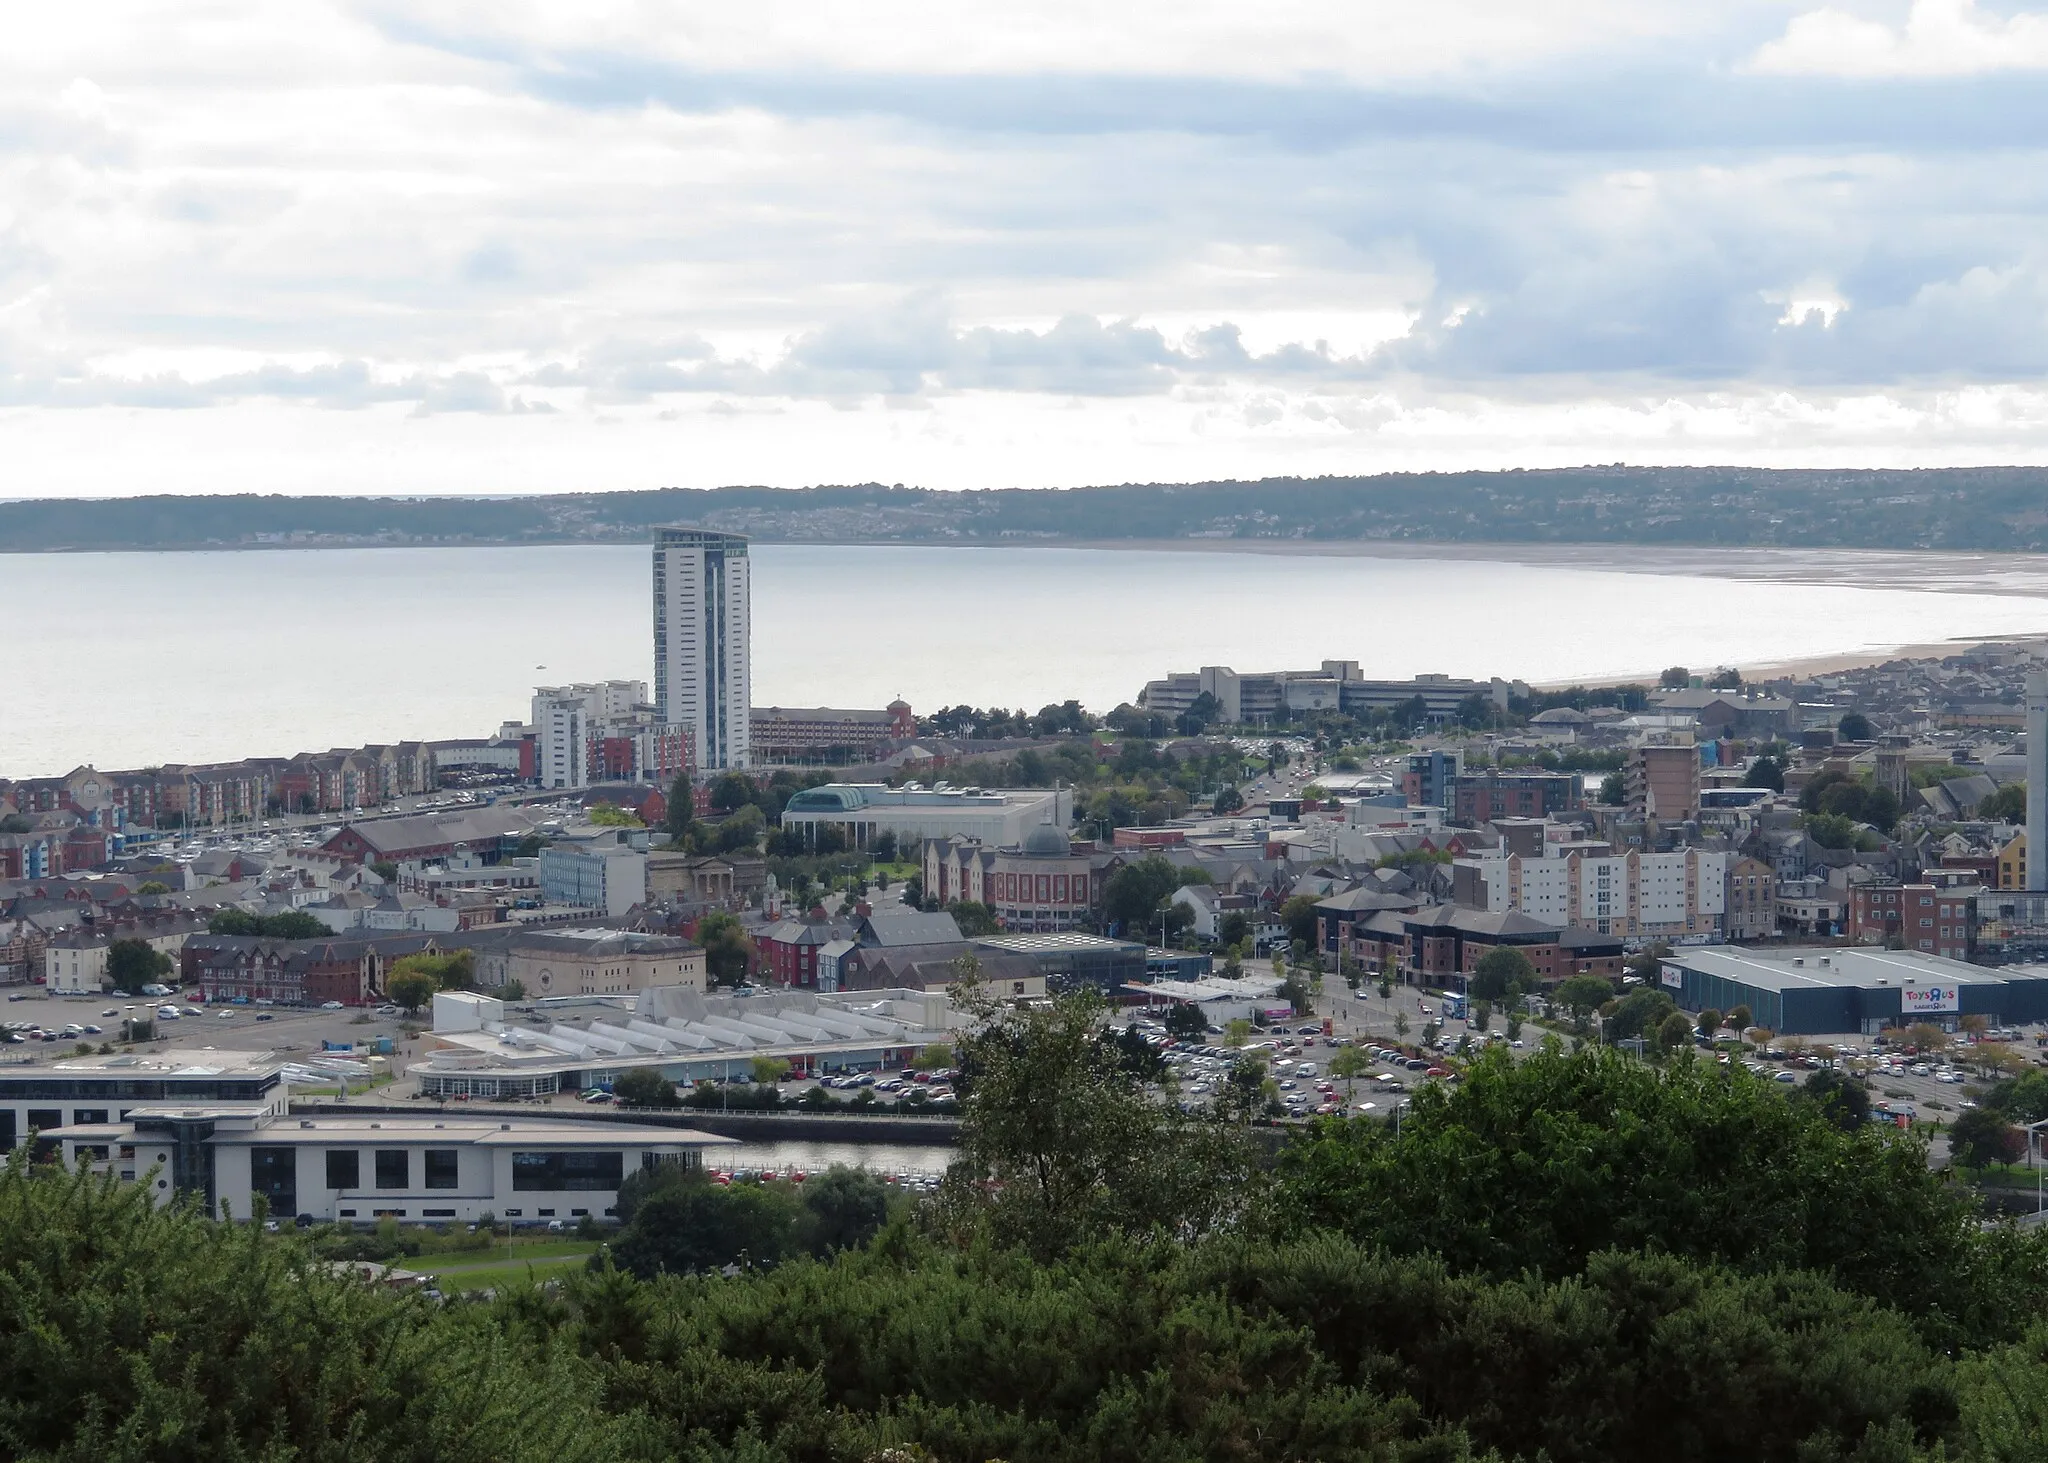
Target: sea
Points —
{"points": [[128, 660]]}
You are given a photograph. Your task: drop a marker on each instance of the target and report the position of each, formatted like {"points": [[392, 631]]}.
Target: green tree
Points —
{"points": [[741, 831], [133, 964], [1132, 895], [1675, 678], [1767, 772], [1613, 789], [1299, 916], [1709, 1022], [1737, 1020], [149, 887], [731, 791], [411, 991], [767, 1071], [682, 809], [976, 920], [1582, 994], [452, 970], [728, 953], [1641, 1012], [1502, 973], [2007, 805], [645, 1087], [844, 1208], [1843, 1101], [1853, 727], [1237, 1031], [1185, 1020], [1592, 1151], [1514, 1029], [933, 1058], [1674, 1032], [1061, 1143], [682, 1223], [1980, 1136], [1348, 1066]]}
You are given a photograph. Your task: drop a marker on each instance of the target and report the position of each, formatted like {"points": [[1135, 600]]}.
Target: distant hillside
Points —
{"points": [[1995, 508]]}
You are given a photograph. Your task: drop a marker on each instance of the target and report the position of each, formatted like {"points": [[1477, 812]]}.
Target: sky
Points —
{"points": [[296, 246]]}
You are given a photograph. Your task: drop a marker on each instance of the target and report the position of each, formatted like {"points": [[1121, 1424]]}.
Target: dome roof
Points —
{"points": [[1046, 841]]}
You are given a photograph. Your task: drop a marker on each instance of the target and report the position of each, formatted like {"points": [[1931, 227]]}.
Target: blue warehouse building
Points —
{"points": [[1816, 990]]}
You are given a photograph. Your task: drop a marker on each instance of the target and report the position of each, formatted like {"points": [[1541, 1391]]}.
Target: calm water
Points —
{"points": [[881, 1158], [126, 660]]}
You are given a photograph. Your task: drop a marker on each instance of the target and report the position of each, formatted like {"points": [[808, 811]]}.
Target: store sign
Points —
{"points": [[1672, 975], [1914, 998]]}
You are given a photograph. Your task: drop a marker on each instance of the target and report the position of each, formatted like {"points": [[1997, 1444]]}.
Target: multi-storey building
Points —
{"points": [[1337, 685], [1431, 780], [1635, 895], [824, 735], [702, 626], [1038, 886], [1663, 781], [1928, 918], [1482, 797], [1751, 911]]}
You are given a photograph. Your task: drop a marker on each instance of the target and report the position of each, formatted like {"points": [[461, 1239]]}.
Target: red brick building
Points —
{"points": [[1927, 918]]}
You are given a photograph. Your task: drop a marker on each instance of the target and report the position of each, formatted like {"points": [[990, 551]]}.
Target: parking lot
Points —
{"points": [[285, 1029]]}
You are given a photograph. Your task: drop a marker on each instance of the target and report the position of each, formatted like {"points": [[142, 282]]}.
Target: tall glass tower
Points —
{"points": [[702, 620]]}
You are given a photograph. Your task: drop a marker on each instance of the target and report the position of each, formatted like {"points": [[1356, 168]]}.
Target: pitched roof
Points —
{"points": [[893, 931]]}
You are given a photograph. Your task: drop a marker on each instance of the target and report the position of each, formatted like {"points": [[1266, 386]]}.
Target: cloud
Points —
{"points": [[1939, 38], [1067, 233]]}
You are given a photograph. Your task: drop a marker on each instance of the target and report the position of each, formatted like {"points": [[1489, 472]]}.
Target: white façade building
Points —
{"points": [[420, 1169], [863, 812], [703, 622]]}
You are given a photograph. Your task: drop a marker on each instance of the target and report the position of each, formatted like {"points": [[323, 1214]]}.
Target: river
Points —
{"points": [[133, 659]]}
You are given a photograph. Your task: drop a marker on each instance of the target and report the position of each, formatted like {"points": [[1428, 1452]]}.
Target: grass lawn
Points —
{"points": [[501, 1264]]}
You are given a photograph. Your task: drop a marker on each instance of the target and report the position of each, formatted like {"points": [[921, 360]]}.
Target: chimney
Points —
{"points": [[2037, 779]]}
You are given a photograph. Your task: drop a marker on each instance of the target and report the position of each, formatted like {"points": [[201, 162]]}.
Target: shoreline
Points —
{"points": [[1933, 571], [1806, 667]]}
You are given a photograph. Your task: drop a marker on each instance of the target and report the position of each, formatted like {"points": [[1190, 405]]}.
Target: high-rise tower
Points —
{"points": [[702, 619], [2037, 779]]}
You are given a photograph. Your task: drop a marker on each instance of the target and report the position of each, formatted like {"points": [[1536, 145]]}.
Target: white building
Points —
{"points": [[702, 626], [608, 877], [864, 811], [1628, 894], [426, 1168], [604, 731], [45, 1096]]}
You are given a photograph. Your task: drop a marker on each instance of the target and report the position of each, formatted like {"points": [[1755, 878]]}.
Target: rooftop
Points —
{"points": [[1829, 967]]}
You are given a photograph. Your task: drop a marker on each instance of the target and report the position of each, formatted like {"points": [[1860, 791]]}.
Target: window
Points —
{"points": [[567, 1172], [42, 1119], [274, 1174], [344, 1168], [441, 1168], [346, 1213], [88, 1115], [1925, 923], [437, 1213], [394, 1168]]}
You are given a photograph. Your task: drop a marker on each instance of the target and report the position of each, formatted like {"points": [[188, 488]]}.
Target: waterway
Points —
{"points": [[134, 659]]}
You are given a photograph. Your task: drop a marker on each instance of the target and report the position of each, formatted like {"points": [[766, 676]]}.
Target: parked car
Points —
{"points": [[330, 1005]]}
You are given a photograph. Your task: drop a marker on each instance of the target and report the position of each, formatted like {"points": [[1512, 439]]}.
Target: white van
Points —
{"points": [[1305, 1069]]}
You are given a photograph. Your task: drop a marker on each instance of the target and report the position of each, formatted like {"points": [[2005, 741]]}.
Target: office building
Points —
{"points": [[861, 812], [825, 736], [1336, 685], [606, 874], [604, 732], [431, 1168], [44, 1097], [702, 624]]}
